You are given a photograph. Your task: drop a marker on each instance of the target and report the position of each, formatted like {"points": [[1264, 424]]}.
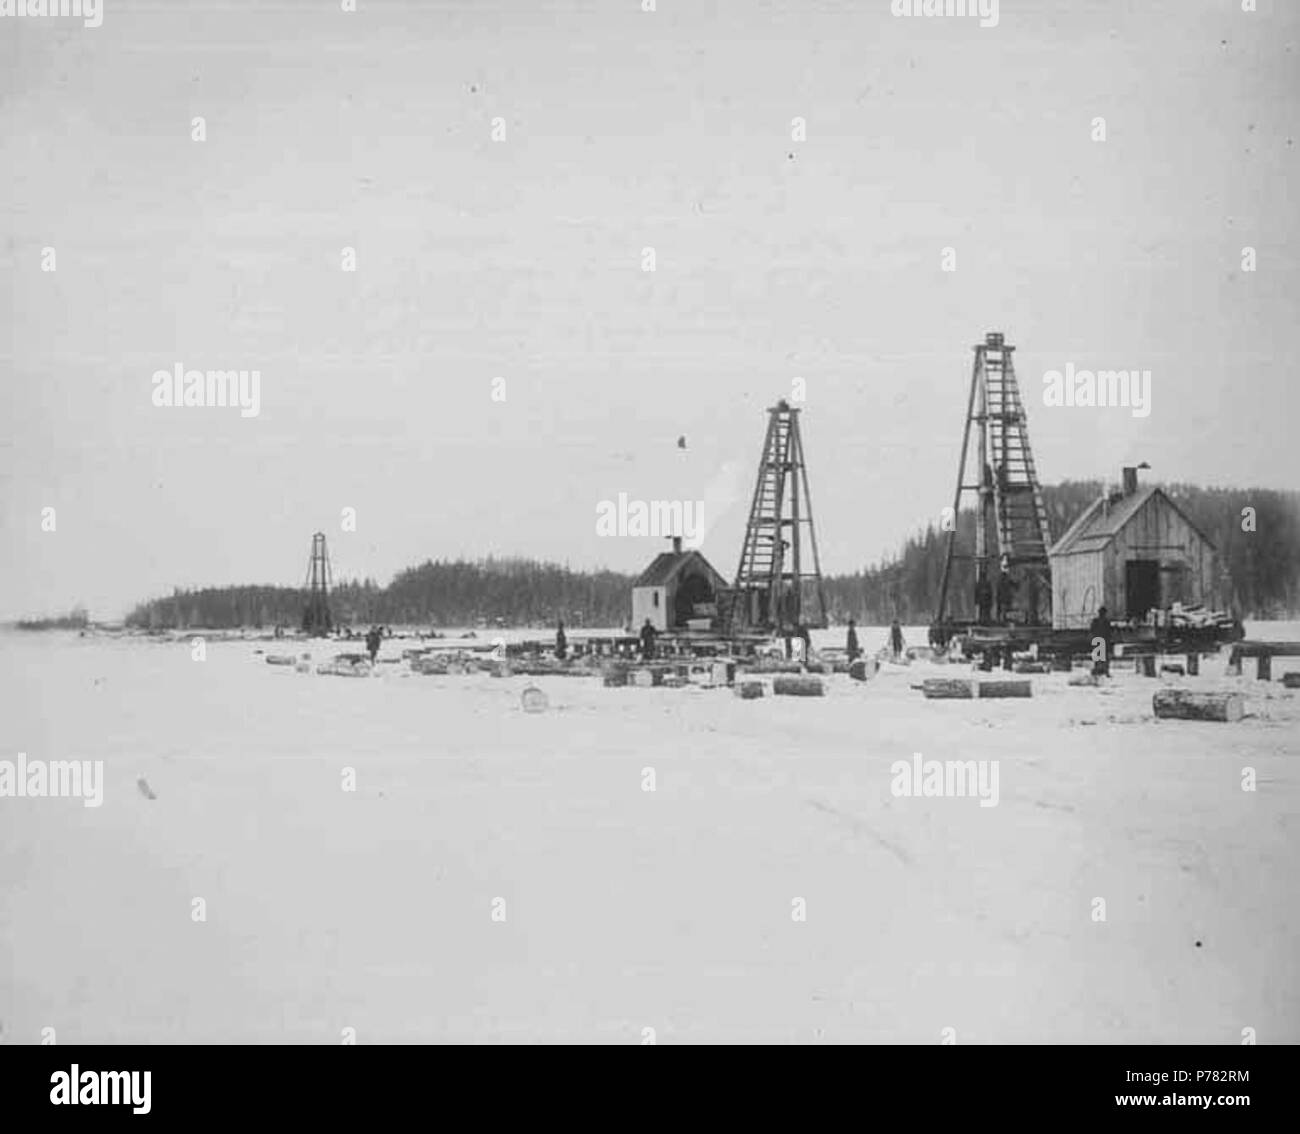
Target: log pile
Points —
{"points": [[748, 690]]}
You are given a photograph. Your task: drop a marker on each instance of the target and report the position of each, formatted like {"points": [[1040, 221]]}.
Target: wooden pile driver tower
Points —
{"points": [[316, 619], [1012, 572], [774, 590]]}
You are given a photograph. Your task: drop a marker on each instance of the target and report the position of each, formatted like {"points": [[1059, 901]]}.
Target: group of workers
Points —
{"points": [[896, 643], [994, 602], [649, 635]]}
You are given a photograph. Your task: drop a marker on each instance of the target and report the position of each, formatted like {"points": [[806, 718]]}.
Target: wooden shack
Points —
{"points": [[679, 587], [1132, 552]]}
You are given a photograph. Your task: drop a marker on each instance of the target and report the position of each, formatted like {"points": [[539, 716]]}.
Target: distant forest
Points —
{"points": [[1262, 578]]}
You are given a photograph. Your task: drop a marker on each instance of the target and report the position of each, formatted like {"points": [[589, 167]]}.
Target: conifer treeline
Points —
{"points": [[1262, 578]]}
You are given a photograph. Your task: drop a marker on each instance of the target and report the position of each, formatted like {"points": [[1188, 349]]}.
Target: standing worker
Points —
{"points": [[561, 642], [647, 640], [1006, 591], [372, 643], [1102, 634], [851, 645], [983, 599], [896, 639]]}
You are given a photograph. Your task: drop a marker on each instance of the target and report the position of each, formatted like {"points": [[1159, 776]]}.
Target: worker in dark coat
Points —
{"points": [[851, 645], [561, 642], [1101, 629], [648, 636], [983, 600], [1006, 594], [373, 639], [896, 639]]}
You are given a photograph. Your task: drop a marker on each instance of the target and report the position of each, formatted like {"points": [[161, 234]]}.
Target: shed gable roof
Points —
{"points": [[1099, 525], [667, 564]]}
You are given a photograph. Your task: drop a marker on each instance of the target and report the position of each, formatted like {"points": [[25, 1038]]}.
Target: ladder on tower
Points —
{"points": [[1017, 496], [771, 577]]}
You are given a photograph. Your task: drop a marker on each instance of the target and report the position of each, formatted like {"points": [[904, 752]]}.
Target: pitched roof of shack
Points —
{"points": [[667, 564], [1104, 519]]}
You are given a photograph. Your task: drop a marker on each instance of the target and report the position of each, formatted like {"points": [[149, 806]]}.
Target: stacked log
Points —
{"points": [[791, 685], [947, 689], [748, 690], [614, 676], [1186, 705]]}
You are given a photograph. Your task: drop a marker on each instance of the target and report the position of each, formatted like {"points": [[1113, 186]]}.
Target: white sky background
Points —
{"points": [[521, 259]]}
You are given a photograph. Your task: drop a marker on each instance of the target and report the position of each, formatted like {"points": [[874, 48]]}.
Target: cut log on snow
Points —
{"points": [[1291, 680], [947, 689], [1084, 678], [748, 690], [788, 685], [280, 659], [533, 700], [1006, 689], [1032, 667], [858, 669], [615, 677], [1186, 705]]}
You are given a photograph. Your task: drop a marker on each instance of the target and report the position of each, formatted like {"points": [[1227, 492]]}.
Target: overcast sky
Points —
{"points": [[522, 258]]}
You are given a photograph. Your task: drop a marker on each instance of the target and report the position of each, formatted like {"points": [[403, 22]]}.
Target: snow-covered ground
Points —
{"points": [[626, 909]]}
